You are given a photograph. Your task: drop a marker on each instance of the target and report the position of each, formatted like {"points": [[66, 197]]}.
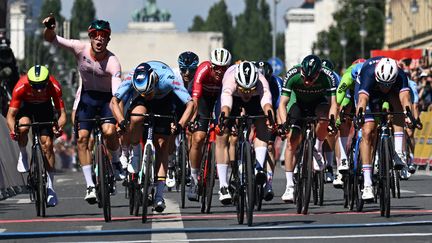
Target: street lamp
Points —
{"points": [[414, 6], [275, 2]]}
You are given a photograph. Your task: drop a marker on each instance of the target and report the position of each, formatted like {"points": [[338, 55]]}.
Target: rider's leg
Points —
{"points": [[195, 153], [23, 163], [366, 149]]}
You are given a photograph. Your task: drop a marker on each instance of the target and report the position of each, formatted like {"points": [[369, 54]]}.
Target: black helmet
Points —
{"points": [[311, 67], [328, 64], [188, 60], [99, 25], [264, 68]]}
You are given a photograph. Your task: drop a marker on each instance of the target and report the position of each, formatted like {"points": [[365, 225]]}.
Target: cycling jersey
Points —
{"points": [[368, 83], [23, 92], [325, 85], [229, 89], [347, 82], [275, 84], [163, 87], [97, 75], [413, 92], [205, 81]]}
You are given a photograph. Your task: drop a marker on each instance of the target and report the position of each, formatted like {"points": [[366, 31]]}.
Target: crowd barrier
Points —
{"points": [[11, 181], [423, 139]]}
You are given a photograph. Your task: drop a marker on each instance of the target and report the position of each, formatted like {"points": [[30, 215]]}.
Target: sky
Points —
{"points": [[118, 12]]}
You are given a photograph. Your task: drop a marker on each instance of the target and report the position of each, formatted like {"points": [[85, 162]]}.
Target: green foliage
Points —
{"points": [[83, 12], [348, 21], [54, 7], [198, 24]]}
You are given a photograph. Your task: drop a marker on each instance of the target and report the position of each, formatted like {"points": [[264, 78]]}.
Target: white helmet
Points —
{"points": [[386, 71], [220, 57], [246, 75]]}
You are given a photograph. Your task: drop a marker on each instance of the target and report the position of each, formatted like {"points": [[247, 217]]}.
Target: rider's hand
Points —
{"points": [[123, 126], [176, 128], [14, 136], [57, 130], [282, 130], [419, 124], [331, 128], [49, 22]]}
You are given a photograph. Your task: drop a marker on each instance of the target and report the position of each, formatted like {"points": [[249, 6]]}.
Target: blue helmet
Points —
{"points": [[188, 60], [356, 71], [144, 79]]}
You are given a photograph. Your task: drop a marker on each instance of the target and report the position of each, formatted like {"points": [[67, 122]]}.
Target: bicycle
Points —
{"points": [[102, 168], [207, 173], [242, 177], [37, 177], [385, 155], [304, 176], [145, 178]]}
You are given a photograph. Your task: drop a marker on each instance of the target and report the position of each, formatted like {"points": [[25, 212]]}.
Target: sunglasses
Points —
{"points": [[309, 79], [99, 33], [185, 70], [246, 91], [39, 86], [219, 68]]}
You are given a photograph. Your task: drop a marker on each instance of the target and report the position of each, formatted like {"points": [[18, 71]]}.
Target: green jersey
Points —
{"points": [[324, 86], [346, 83]]}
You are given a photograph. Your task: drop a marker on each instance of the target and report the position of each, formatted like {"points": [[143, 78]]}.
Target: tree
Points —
{"points": [[253, 38], [54, 7], [218, 19], [83, 12], [348, 21]]}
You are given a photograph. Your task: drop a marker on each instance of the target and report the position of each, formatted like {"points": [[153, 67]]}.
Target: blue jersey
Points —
{"points": [[368, 84], [167, 83], [338, 78], [413, 92], [275, 84]]}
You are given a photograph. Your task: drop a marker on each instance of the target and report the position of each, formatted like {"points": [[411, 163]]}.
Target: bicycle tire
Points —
{"points": [[381, 181], [398, 178], [103, 181], [298, 192], [307, 176], [41, 181], [388, 172], [250, 183], [137, 197], [321, 188], [182, 160], [241, 191], [210, 181], [148, 163], [202, 178], [131, 196], [315, 187]]}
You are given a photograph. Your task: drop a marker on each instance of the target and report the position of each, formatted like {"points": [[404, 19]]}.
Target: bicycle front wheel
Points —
{"points": [[387, 177], [146, 181], [307, 175], [41, 195], [182, 160], [210, 179], [104, 191], [250, 183]]}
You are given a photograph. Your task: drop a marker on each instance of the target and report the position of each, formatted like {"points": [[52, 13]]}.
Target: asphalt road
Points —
{"points": [[74, 220]]}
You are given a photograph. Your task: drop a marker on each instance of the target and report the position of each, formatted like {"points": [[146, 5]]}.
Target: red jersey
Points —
{"points": [[24, 92], [207, 81]]}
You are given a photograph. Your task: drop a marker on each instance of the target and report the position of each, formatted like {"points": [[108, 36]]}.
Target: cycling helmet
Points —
{"points": [[246, 75], [264, 68], [360, 60], [4, 42], [99, 25], [188, 59], [311, 67], [220, 57], [144, 79], [38, 76], [386, 71], [356, 71], [328, 64]]}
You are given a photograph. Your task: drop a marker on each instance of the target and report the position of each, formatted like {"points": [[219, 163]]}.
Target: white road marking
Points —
{"points": [[61, 180], [2, 230], [172, 207], [283, 238], [425, 195], [24, 201], [406, 191], [93, 227]]}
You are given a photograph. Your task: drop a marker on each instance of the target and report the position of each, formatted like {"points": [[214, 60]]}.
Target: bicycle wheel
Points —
{"points": [[358, 187], [321, 188], [240, 187], [397, 180], [315, 187], [137, 197], [211, 174], [307, 175], [182, 162], [104, 191], [387, 174], [250, 183], [131, 194], [145, 182], [41, 195], [298, 192], [202, 178]]}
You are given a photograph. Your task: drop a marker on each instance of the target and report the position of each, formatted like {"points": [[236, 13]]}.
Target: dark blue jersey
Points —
{"points": [[275, 84]]}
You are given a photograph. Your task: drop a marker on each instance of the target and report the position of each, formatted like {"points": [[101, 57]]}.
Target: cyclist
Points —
{"points": [[187, 66], [151, 87], [275, 85], [101, 75], [309, 89], [8, 66], [31, 101], [243, 88], [380, 79], [345, 99], [206, 91]]}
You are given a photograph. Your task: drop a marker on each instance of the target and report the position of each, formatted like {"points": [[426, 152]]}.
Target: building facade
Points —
{"points": [[303, 25]]}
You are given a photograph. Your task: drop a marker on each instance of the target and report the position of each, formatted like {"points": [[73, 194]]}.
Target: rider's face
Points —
{"points": [[99, 41], [187, 74], [219, 71]]}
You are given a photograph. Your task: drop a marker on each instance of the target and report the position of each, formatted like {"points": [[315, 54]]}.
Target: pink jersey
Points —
{"points": [[103, 75], [229, 89]]}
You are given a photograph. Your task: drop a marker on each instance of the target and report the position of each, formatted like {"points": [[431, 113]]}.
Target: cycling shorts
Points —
{"points": [[43, 112], [206, 106], [93, 103], [299, 110]]}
